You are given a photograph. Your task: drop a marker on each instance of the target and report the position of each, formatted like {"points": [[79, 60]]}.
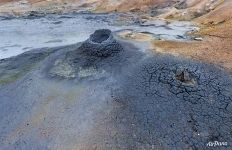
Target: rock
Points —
{"points": [[198, 38], [101, 44]]}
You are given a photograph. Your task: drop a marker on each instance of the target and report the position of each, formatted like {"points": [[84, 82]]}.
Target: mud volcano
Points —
{"points": [[101, 44], [100, 51]]}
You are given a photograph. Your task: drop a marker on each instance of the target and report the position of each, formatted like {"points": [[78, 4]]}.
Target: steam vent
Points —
{"points": [[101, 44]]}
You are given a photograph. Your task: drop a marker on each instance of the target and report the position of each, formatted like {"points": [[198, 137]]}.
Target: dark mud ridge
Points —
{"points": [[106, 94]]}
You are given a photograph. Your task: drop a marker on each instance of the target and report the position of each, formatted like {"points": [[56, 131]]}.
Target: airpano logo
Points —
{"points": [[216, 144]]}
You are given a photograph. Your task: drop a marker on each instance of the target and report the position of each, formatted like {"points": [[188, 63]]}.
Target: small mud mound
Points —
{"points": [[101, 44]]}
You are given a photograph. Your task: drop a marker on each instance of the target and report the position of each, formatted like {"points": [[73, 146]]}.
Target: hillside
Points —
{"points": [[184, 9], [216, 34]]}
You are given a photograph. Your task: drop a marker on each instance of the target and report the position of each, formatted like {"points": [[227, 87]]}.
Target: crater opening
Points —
{"points": [[100, 36], [184, 76], [101, 44]]}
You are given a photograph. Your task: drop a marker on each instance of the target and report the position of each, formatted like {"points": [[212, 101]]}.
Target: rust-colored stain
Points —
{"points": [[216, 46]]}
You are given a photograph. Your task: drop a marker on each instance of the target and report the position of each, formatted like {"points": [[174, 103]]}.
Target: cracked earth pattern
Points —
{"points": [[171, 114]]}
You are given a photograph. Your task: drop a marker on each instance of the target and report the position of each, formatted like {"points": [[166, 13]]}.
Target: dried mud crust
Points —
{"points": [[175, 104]]}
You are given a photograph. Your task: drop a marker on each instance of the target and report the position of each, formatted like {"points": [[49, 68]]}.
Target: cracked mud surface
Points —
{"points": [[167, 113], [129, 100]]}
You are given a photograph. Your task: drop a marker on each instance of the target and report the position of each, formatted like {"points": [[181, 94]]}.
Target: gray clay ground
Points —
{"points": [[118, 97]]}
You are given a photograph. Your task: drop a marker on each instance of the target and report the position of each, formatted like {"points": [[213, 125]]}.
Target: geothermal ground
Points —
{"points": [[116, 80], [29, 32]]}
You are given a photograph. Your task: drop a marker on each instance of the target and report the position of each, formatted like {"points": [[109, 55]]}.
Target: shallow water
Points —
{"points": [[22, 34]]}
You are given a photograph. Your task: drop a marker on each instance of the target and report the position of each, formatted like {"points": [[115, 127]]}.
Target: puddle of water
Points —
{"points": [[56, 30]]}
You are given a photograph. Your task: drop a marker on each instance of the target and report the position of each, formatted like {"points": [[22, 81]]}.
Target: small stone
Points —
{"points": [[198, 39]]}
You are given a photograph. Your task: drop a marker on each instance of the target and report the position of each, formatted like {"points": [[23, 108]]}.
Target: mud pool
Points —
{"points": [[18, 35]]}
